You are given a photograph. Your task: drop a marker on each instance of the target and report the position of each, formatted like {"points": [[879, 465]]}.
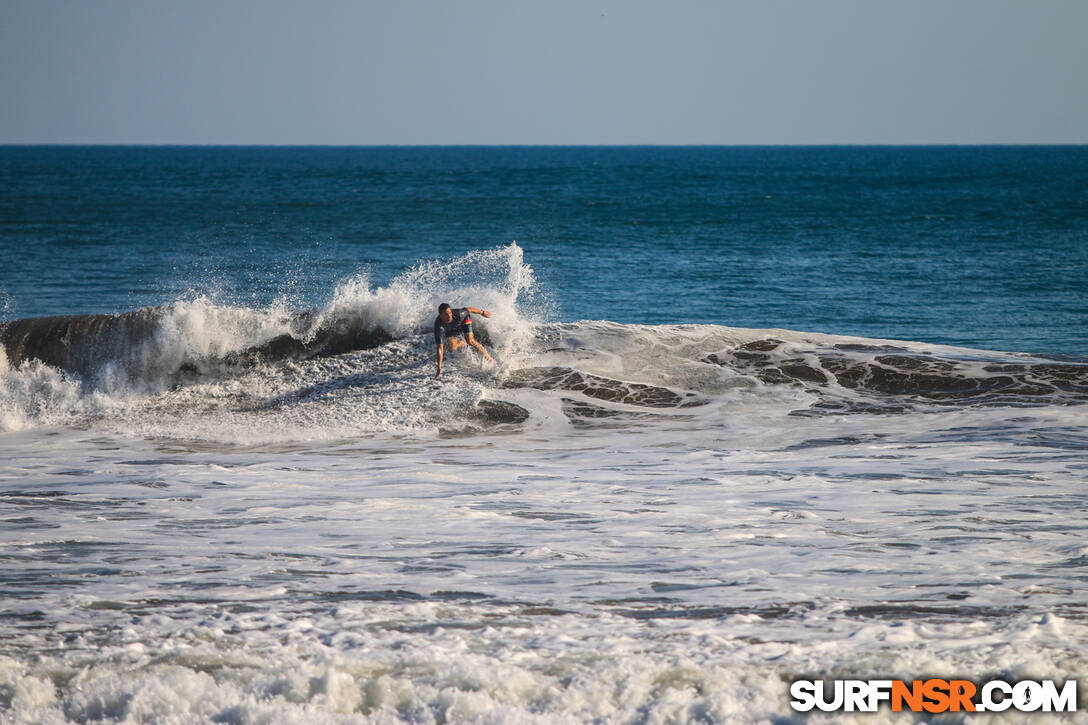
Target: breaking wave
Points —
{"points": [[168, 344], [363, 363], [54, 368]]}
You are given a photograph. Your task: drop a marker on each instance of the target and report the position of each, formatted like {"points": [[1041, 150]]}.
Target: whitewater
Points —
{"points": [[213, 512]]}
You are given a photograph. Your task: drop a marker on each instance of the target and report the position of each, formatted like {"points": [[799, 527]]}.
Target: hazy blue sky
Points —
{"points": [[543, 72]]}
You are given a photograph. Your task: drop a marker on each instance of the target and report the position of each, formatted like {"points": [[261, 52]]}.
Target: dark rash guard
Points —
{"points": [[461, 324]]}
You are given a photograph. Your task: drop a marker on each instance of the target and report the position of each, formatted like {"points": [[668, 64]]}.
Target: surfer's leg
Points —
{"points": [[472, 341], [455, 344]]}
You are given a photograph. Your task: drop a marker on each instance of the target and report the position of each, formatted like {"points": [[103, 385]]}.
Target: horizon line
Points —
{"points": [[4, 144]]}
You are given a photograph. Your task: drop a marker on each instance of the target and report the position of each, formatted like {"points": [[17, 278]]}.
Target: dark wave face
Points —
{"points": [[892, 377], [76, 343], [146, 346]]}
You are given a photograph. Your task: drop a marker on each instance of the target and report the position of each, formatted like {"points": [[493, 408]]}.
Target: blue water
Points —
{"points": [[978, 246]]}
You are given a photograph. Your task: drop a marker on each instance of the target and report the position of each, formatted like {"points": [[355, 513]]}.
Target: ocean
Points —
{"points": [[760, 414]]}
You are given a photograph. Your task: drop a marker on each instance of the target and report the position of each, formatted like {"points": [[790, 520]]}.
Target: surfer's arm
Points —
{"points": [[437, 374], [474, 311]]}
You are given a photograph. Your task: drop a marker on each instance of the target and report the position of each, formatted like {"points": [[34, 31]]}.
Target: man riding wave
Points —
{"points": [[452, 322]]}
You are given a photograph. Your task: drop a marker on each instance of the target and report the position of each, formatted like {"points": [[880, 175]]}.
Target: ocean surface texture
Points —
{"points": [[759, 414]]}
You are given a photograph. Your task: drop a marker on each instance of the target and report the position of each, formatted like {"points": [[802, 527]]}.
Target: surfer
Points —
{"points": [[454, 322]]}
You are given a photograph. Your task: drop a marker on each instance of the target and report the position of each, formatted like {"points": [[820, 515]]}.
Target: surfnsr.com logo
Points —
{"points": [[933, 695]]}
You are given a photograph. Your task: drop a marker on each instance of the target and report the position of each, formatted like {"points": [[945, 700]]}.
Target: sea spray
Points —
{"points": [[34, 394]]}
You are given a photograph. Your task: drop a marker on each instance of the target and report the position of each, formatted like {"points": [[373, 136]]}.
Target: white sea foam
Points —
{"points": [[35, 394], [347, 665], [676, 572]]}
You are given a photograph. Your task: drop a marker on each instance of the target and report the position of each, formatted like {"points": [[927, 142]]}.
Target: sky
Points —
{"points": [[543, 71]]}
